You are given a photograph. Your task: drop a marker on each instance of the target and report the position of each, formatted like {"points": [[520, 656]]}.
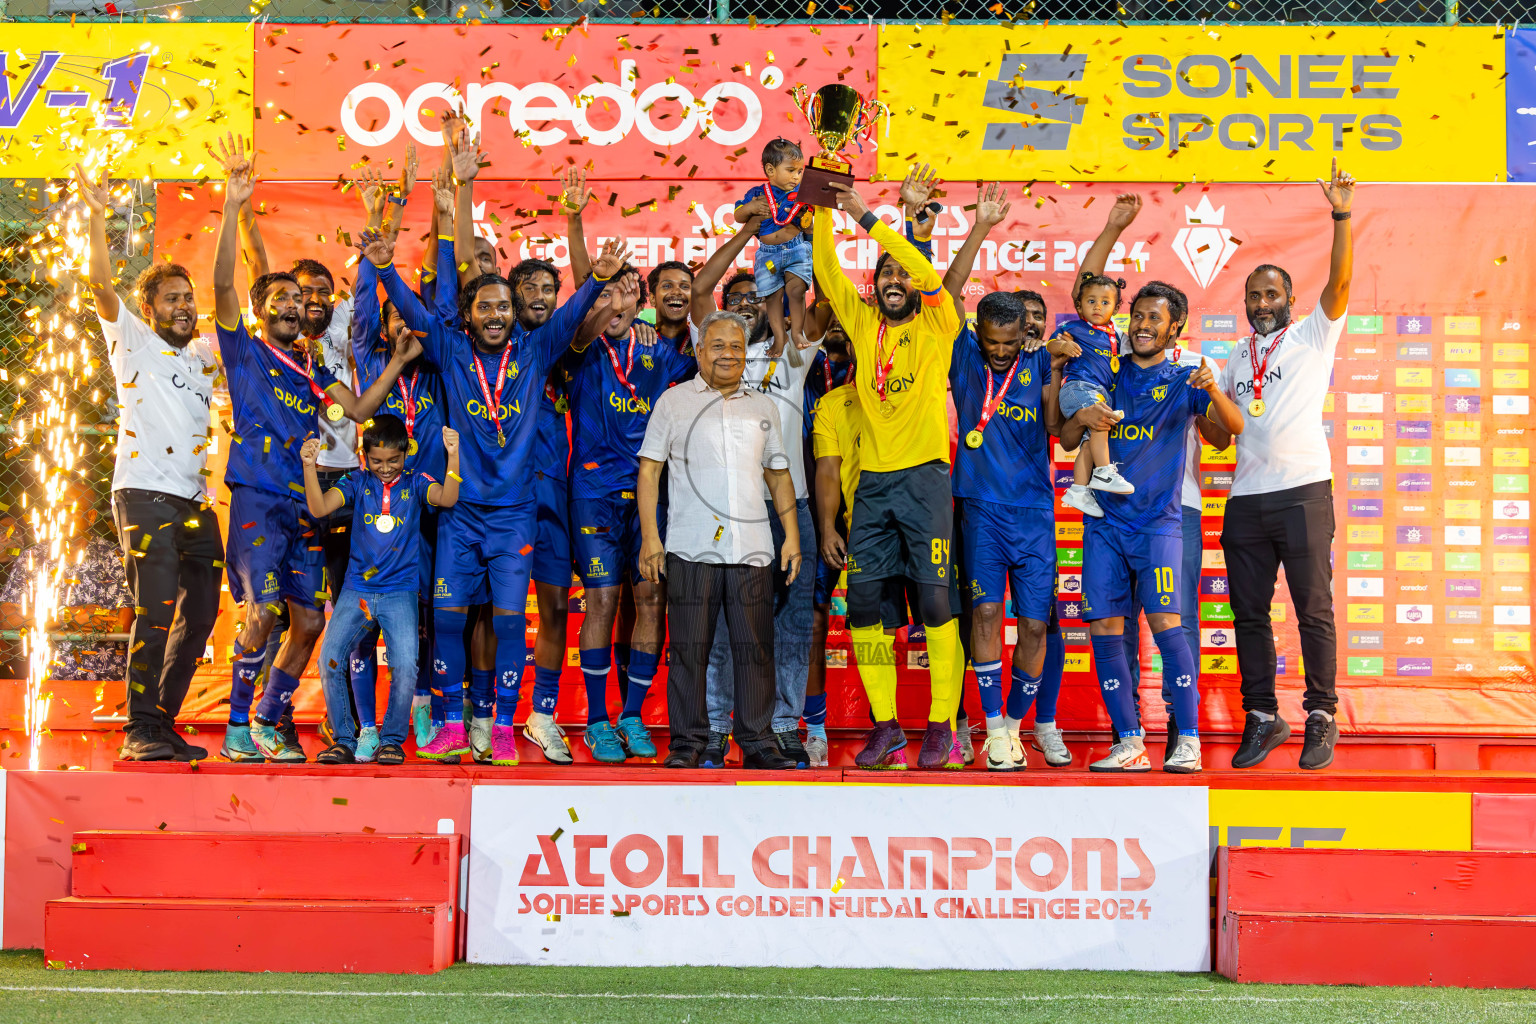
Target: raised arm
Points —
{"points": [[97, 196], [467, 158], [991, 210], [573, 198], [366, 321], [238, 187], [847, 303], [360, 407], [559, 331], [1340, 191], [321, 503], [446, 494], [394, 205], [925, 279], [917, 189], [252, 248], [1127, 206], [441, 223], [702, 298]]}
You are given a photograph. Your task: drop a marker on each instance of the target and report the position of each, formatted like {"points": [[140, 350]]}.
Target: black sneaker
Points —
{"points": [[681, 759], [1317, 743], [290, 733], [766, 758], [791, 747], [336, 753], [143, 744], [1259, 738], [714, 751], [183, 750]]}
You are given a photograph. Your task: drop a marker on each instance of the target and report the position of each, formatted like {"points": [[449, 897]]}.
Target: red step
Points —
{"points": [[1378, 949], [351, 936], [267, 865], [1449, 883]]}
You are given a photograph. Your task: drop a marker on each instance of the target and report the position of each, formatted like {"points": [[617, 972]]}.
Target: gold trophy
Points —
{"points": [[838, 116]]}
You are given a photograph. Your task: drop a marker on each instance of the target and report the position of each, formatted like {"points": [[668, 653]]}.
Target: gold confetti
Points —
{"points": [[555, 838], [572, 812]]}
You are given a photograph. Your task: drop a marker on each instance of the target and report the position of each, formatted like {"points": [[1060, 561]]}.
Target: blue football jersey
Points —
{"points": [[421, 385], [607, 422], [1013, 464], [275, 411], [493, 472], [1101, 349], [380, 562], [1148, 444], [552, 454], [823, 376]]}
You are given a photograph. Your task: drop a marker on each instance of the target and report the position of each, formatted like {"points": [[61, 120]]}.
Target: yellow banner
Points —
{"points": [[1349, 820], [1174, 103], [153, 93]]}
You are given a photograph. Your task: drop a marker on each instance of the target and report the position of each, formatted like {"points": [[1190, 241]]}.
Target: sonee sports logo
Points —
{"points": [[1057, 110]]}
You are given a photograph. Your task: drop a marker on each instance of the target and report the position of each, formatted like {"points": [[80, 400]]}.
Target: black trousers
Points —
{"points": [[1261, 532], [697, 592], [175, 585]]}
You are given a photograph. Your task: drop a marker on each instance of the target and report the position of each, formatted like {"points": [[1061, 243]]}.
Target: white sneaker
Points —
{"points": [[1049, 741], [546, 732], [1002, 750], [963, 734], [1108, 478], [1128, 755], [1186, 757], [816, 751], [480, 739], [1082, 499]]}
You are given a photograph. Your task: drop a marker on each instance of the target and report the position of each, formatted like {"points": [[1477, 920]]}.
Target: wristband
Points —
{"points": [[1340, 216], [397, 200], [869, 220]]}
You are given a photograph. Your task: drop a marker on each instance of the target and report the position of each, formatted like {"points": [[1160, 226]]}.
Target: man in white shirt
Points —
{"points": [[719, 441], [168, 530], [1281, 507]]}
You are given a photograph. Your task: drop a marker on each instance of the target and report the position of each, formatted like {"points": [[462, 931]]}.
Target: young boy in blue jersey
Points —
{"points": [[494, 372], [277, 388], [383, 587], [782, 262], [1140, 533]]}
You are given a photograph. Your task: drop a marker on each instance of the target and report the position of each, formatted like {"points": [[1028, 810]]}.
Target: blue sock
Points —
{"points": [[1050, 679], [1115, 684], [594, 669], [274, 696], [1179, 667], [1022, 691], [482, 692], [816, 715], [621, 659], [448, 660], [363, 676], [246, 669], [511, 659], [642, 669], [989, 681], [546, 689]]}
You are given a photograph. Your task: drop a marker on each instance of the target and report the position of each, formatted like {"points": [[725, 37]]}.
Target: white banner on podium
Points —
{"points": [[917, 876]]}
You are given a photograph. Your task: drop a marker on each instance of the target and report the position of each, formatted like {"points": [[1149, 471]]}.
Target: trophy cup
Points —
{"points": [[838, 115]]}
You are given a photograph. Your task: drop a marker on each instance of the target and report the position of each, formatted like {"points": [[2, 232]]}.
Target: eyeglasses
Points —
{"points": [[743, 299]]}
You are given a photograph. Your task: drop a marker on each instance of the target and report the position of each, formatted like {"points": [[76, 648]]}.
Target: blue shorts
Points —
{"points": [[483, 554], [274, 549], [1004, 544], [1077, 395], [793, 257], [1111, 556], [552, 539], [826, 581], [605, 539]]}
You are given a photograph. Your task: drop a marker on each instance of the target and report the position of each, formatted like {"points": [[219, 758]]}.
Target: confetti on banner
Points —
{"points": [[572, 812], [837, 886]]}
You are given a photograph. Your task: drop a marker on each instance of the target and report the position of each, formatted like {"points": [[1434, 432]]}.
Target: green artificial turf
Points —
{"points": [[30, 993]]}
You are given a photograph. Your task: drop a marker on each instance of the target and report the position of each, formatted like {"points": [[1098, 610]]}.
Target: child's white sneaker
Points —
{"points": [[1108, 478], [1081, 498]]}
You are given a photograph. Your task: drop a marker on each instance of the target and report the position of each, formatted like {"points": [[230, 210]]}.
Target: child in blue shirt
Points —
{"points": [[1095, 345], [384, 575], [783, 259]]}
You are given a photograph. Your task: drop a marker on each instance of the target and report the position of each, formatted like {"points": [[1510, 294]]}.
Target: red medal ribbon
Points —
{"points": [[410, 401], [826, 372], [622, 372], [773, 207], [493, 402], [386, 494], [989, 404], [882, 365], [1258, 367], [306, 371]]}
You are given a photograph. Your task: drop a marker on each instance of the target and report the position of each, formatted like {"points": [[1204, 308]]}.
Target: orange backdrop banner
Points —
{"points": [[1429, 413]]}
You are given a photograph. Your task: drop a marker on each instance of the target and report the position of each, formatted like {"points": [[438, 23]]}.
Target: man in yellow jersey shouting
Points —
{"points": [[902, 509]]}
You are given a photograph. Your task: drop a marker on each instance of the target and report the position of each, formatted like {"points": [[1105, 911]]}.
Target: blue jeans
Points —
{"points": [[792, 607], [1189, 612], [396, 615]]}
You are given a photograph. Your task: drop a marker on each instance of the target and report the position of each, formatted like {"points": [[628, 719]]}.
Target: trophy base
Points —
{"points": [[816, 183]]}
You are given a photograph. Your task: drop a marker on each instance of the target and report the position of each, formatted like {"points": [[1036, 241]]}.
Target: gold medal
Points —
{"points": [[973, 439], [1114, 364], [1256, 407], [384, 523], [334, 412], [412, 447], [501, 439]]}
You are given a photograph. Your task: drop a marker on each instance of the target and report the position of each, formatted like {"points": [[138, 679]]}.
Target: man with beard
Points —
{"points": [[902, 511], [167, 528], [494, 371], [276, 390], [1281, 508], [1140, 535]]}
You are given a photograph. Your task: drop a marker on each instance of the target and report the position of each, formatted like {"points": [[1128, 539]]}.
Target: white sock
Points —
{"points": [[1320, 711], [1000, 722], [1262, 716], [1012, 724]]}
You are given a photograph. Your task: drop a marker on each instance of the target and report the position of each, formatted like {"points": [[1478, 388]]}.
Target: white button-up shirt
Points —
{"points": [[716, 447]]}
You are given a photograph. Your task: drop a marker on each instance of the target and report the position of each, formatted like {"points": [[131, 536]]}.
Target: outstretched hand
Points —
{"points": [[575, 195], [370, 189], [377, 247], [95, 194], [918, 186], [991, 205], [442, 191], [467, 156], [1339, 189], [1127, 206], [611, 260]]}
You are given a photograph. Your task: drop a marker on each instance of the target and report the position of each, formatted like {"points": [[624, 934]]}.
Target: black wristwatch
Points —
{"points": [[1341, 216]]}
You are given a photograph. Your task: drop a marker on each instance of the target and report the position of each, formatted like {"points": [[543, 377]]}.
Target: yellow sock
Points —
{"points": [[944, 657], [875, 655]]}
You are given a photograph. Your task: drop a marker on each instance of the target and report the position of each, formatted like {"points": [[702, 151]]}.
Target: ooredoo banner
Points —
{"points": [[803, 876], [1181, 103], [655, 101]]}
